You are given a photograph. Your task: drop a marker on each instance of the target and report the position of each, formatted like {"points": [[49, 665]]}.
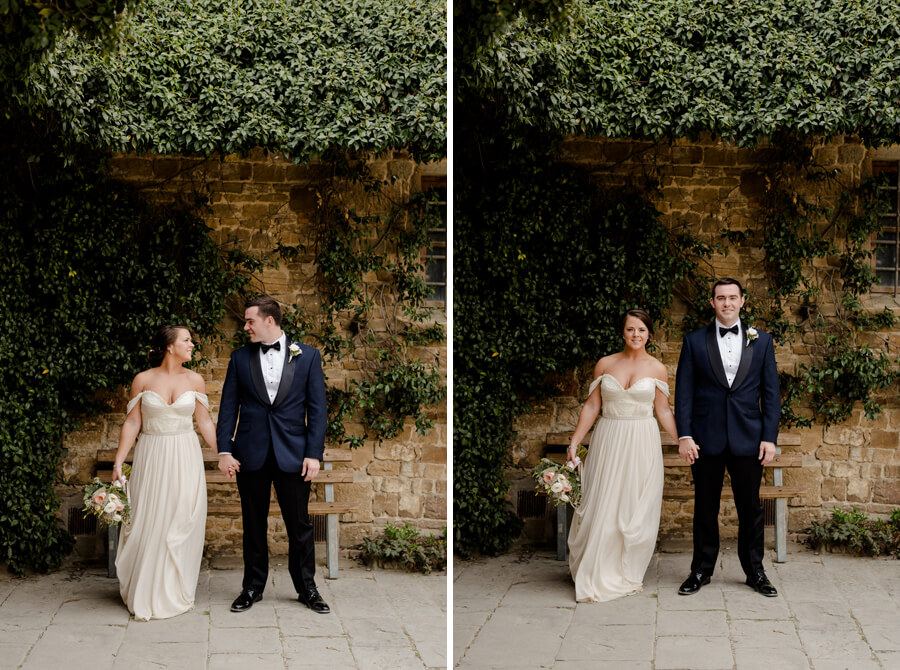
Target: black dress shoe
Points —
{"points": [[693, 583], [245, 601], [313, 600], [761, 583]]}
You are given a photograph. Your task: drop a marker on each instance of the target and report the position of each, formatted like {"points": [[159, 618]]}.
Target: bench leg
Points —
{"points": [[331, 545], [780, 530], [113, 545], [562, 532]]}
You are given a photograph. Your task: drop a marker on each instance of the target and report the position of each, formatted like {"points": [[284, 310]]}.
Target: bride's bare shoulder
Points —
{"points": [[659, 370], [604, 364]]}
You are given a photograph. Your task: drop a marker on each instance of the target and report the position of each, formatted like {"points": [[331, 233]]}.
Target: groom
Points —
{"points": [[274, 392], [727, 407]]}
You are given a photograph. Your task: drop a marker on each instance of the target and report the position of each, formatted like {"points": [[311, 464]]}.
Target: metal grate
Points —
{"points": [[768, 511], [318, 521], [79, 524], [530, 505]]}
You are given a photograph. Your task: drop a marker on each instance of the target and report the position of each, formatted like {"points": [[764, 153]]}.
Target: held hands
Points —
{"points": [[310, 469], [688, 450], [766, 452], [228, 465]]}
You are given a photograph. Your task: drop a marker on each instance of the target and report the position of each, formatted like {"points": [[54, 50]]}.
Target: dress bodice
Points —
{"points": [[161, 418], [635, 402]]}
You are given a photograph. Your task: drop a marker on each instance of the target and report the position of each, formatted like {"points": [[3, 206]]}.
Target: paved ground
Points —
{"points": [[833, 612], [75, 619]]}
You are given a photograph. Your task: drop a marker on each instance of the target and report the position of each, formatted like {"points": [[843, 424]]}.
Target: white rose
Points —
{"points": [[556, 487], [110, 507]]}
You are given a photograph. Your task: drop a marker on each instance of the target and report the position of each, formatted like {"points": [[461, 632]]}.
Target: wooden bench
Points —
{"points": [[557, 443], [327, 476]]}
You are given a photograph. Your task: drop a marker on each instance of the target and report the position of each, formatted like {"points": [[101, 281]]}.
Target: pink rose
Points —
{"points": [[548, 476], [99, 498]]}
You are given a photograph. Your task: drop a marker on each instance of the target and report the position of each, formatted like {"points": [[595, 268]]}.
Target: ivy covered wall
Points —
{"points": [[262, 201], [722, 193]]}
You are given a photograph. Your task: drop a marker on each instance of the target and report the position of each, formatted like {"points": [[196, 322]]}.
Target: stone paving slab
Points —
{"points": [[833, 612], [74, 619]]}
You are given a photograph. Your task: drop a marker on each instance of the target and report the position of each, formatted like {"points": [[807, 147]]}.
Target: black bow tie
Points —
{"points": [[266, 347], [722, 331]]}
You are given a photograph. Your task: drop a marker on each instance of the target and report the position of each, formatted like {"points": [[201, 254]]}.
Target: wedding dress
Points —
{"points": [[614, 528], [160, 549]]}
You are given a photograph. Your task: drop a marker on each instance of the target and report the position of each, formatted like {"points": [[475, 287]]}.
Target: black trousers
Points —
{"points": [[746, 476], [293, 499]]}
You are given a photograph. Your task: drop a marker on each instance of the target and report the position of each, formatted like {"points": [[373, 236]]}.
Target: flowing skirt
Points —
{"points": [[161, 548], [614, 529]]}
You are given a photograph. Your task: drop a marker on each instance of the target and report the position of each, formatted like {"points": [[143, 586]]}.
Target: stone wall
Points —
{"points": [[260, 200], [709, 186]]}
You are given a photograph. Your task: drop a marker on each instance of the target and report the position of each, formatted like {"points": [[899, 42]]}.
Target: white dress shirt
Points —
{"points": [[272, 366], [730, 350]]}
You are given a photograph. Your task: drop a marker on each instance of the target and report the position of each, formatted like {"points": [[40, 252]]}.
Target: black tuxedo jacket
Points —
{"points": [[293, 425], [719, 417]]}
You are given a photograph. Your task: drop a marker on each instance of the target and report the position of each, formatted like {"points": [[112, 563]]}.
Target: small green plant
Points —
{"points": [[855, 531], [406, 547]]}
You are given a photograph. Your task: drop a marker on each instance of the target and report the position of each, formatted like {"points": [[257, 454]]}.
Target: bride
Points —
{"points": [[614, 529], [160, 549]]}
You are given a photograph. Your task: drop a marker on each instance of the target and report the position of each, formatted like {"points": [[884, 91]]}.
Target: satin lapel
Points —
{"points": [[746, 359], [715, 358], [256, 375], [287, 376]]}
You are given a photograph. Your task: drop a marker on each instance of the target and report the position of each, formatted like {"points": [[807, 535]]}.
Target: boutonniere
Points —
{"points": [[752, 334], [294, 350]]}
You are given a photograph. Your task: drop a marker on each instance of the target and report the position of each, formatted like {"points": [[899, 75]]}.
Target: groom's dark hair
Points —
{"points": [[267, 306], [726, 281]]}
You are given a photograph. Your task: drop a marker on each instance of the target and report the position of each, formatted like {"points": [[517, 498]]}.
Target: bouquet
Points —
{"points": [[109, 502], [562, 482]]}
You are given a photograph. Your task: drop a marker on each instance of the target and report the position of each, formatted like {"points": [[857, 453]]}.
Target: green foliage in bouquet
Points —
{"points": [[854, 531], [560, 481], [108, 501], [406, 547]]}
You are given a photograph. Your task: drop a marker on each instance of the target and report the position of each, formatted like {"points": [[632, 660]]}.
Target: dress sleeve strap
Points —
{"points": [[202, 399], [595, 384], [134, 401], [662, 386]]}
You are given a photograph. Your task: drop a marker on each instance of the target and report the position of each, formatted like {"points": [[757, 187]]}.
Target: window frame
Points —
{"points": [[891, 226], [428, 183]]}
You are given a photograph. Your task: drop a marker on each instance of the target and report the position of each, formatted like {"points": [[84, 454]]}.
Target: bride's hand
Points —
{"points": [[117, 475], [572, 453]]}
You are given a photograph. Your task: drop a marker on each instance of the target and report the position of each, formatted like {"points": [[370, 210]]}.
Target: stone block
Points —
{"points": [[853, 154], [236, 171], [410, 505], [383, 468], [434, 455], [687, 155], [885, 438], [436, 506], [385, 504], [887, 491], [834, 489], [833, 452], [858, 490]]}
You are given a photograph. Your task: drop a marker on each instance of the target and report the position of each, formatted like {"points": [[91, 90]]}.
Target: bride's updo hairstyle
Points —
{"points": [[164, 336], [637, 314]]}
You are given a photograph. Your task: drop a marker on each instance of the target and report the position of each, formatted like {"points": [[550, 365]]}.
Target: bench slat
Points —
{"points": [[234, 509], [562, 439], [210, 456], [674, 460], [217, 477], [764, 492]]}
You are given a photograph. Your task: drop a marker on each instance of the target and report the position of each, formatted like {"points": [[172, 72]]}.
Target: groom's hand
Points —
{"points": [[310, 469], [688, 450], [766, 452]]}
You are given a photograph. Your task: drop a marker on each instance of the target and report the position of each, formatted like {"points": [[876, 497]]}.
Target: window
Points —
{"points": [[886, 245], [436, 257]]}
